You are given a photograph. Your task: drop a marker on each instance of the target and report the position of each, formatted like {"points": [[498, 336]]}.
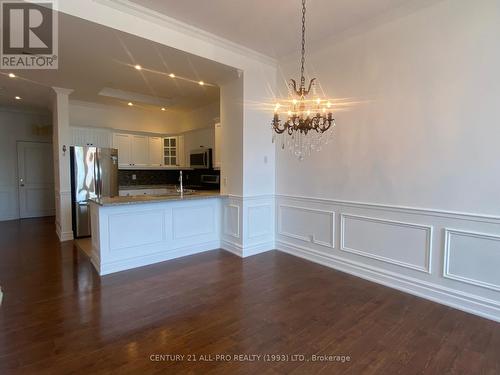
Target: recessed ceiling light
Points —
{"points": [[130, 104], [163, 109], [12, 75], [138, 67], [171, 75], [201, 83], [17, 97]]}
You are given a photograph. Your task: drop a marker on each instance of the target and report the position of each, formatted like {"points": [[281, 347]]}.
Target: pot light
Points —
{"points": [[130, 104], [171, 75], [138, 67], [201, 83], [12, 75], [163, 109], [17, 97]]}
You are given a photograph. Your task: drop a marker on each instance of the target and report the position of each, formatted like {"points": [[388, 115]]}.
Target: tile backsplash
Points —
{"points": [[160, 177]]}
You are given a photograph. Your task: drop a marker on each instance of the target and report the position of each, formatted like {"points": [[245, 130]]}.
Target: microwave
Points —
{"points": [[201, 158]]}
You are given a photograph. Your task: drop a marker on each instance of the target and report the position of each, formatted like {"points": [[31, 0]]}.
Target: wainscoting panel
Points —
{"points": [[248, 224], [472, 258], [232, 220], [410, 249], [126, 236], [307, 224], [193, 221], [135, 229], [404, 244], [260, 221]]}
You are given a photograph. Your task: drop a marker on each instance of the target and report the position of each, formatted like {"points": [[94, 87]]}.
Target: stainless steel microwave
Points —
{"points": [[201, 158]]}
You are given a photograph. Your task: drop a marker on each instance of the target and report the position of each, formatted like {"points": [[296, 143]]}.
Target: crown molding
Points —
{"points": [[161, 19], [26, 110]]}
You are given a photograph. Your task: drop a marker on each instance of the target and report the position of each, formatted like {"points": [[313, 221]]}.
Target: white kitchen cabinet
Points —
{"points": [[181, 153], [149, 152], [155, 151], [170, 151], [133, 150], [90, 137], [122, 143], [139, 150], [217, 146]]}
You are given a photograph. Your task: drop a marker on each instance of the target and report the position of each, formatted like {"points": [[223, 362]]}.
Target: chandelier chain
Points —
{"points": [[306, 119], [302, 78]]}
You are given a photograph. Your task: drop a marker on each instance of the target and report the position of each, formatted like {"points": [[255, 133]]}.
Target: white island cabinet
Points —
{"points": [[130, 232]]}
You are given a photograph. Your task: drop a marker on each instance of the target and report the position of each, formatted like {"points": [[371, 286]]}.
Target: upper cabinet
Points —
{"points": [[156, 151], [217, 146], [90, 137], [122, 142], [140, 151]]}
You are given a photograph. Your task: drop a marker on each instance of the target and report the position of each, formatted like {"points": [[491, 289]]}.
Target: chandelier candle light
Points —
{"points": [[308, 115]]}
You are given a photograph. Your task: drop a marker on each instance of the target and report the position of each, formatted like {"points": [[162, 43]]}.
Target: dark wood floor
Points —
{"points": [[58, 316]]}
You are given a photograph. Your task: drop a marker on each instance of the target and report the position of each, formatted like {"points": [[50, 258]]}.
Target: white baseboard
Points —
{"points": [[127, 264], [463, 301], [64, 236], [247, 251]]}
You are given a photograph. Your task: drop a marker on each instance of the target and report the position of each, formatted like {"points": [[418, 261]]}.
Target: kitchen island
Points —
{"points": [[134, 231]]}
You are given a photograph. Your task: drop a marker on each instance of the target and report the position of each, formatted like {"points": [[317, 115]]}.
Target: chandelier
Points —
{"points": [[308, 116]]}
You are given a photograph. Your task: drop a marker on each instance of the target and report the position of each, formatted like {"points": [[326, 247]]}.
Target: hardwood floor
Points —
{"points": [[58, 316]]}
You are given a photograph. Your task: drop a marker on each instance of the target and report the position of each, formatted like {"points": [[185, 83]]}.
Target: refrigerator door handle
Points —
{"points": [[96, 176]]}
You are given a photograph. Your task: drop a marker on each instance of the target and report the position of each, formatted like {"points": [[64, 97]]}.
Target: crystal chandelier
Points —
{"points": [[308, 116]]}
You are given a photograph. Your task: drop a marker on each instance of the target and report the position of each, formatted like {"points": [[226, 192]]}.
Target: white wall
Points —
{"points": [[86, 114], [17, 126], [199, 138], [202, 117], [421, 141], [427, 132]]}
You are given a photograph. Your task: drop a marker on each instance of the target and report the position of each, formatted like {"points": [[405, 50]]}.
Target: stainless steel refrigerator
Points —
{"points": [[94, 174]]}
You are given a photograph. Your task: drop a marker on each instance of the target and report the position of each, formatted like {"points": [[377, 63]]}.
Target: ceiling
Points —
{"points": [[93, 57], [272, 27]]}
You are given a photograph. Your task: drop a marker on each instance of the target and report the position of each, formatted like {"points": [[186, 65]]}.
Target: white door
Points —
{"points": [[140, 154], [156, 151], [36, 179], [122, 142]]}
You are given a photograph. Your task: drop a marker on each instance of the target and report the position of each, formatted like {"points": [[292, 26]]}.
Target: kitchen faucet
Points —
{"points": [[181, 187]]}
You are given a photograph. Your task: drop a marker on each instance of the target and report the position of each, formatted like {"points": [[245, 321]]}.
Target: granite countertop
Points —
{"points": [[117, 201], [139, 187]]}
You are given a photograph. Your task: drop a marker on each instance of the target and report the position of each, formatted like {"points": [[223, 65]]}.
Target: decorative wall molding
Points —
{"points": [[420, 235], [134, 219], [428, 245], [129, 236], [482, 218], [449, 233], [211, 219], [252, 222], [474, 304], [331, 215], [227, 232]]}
